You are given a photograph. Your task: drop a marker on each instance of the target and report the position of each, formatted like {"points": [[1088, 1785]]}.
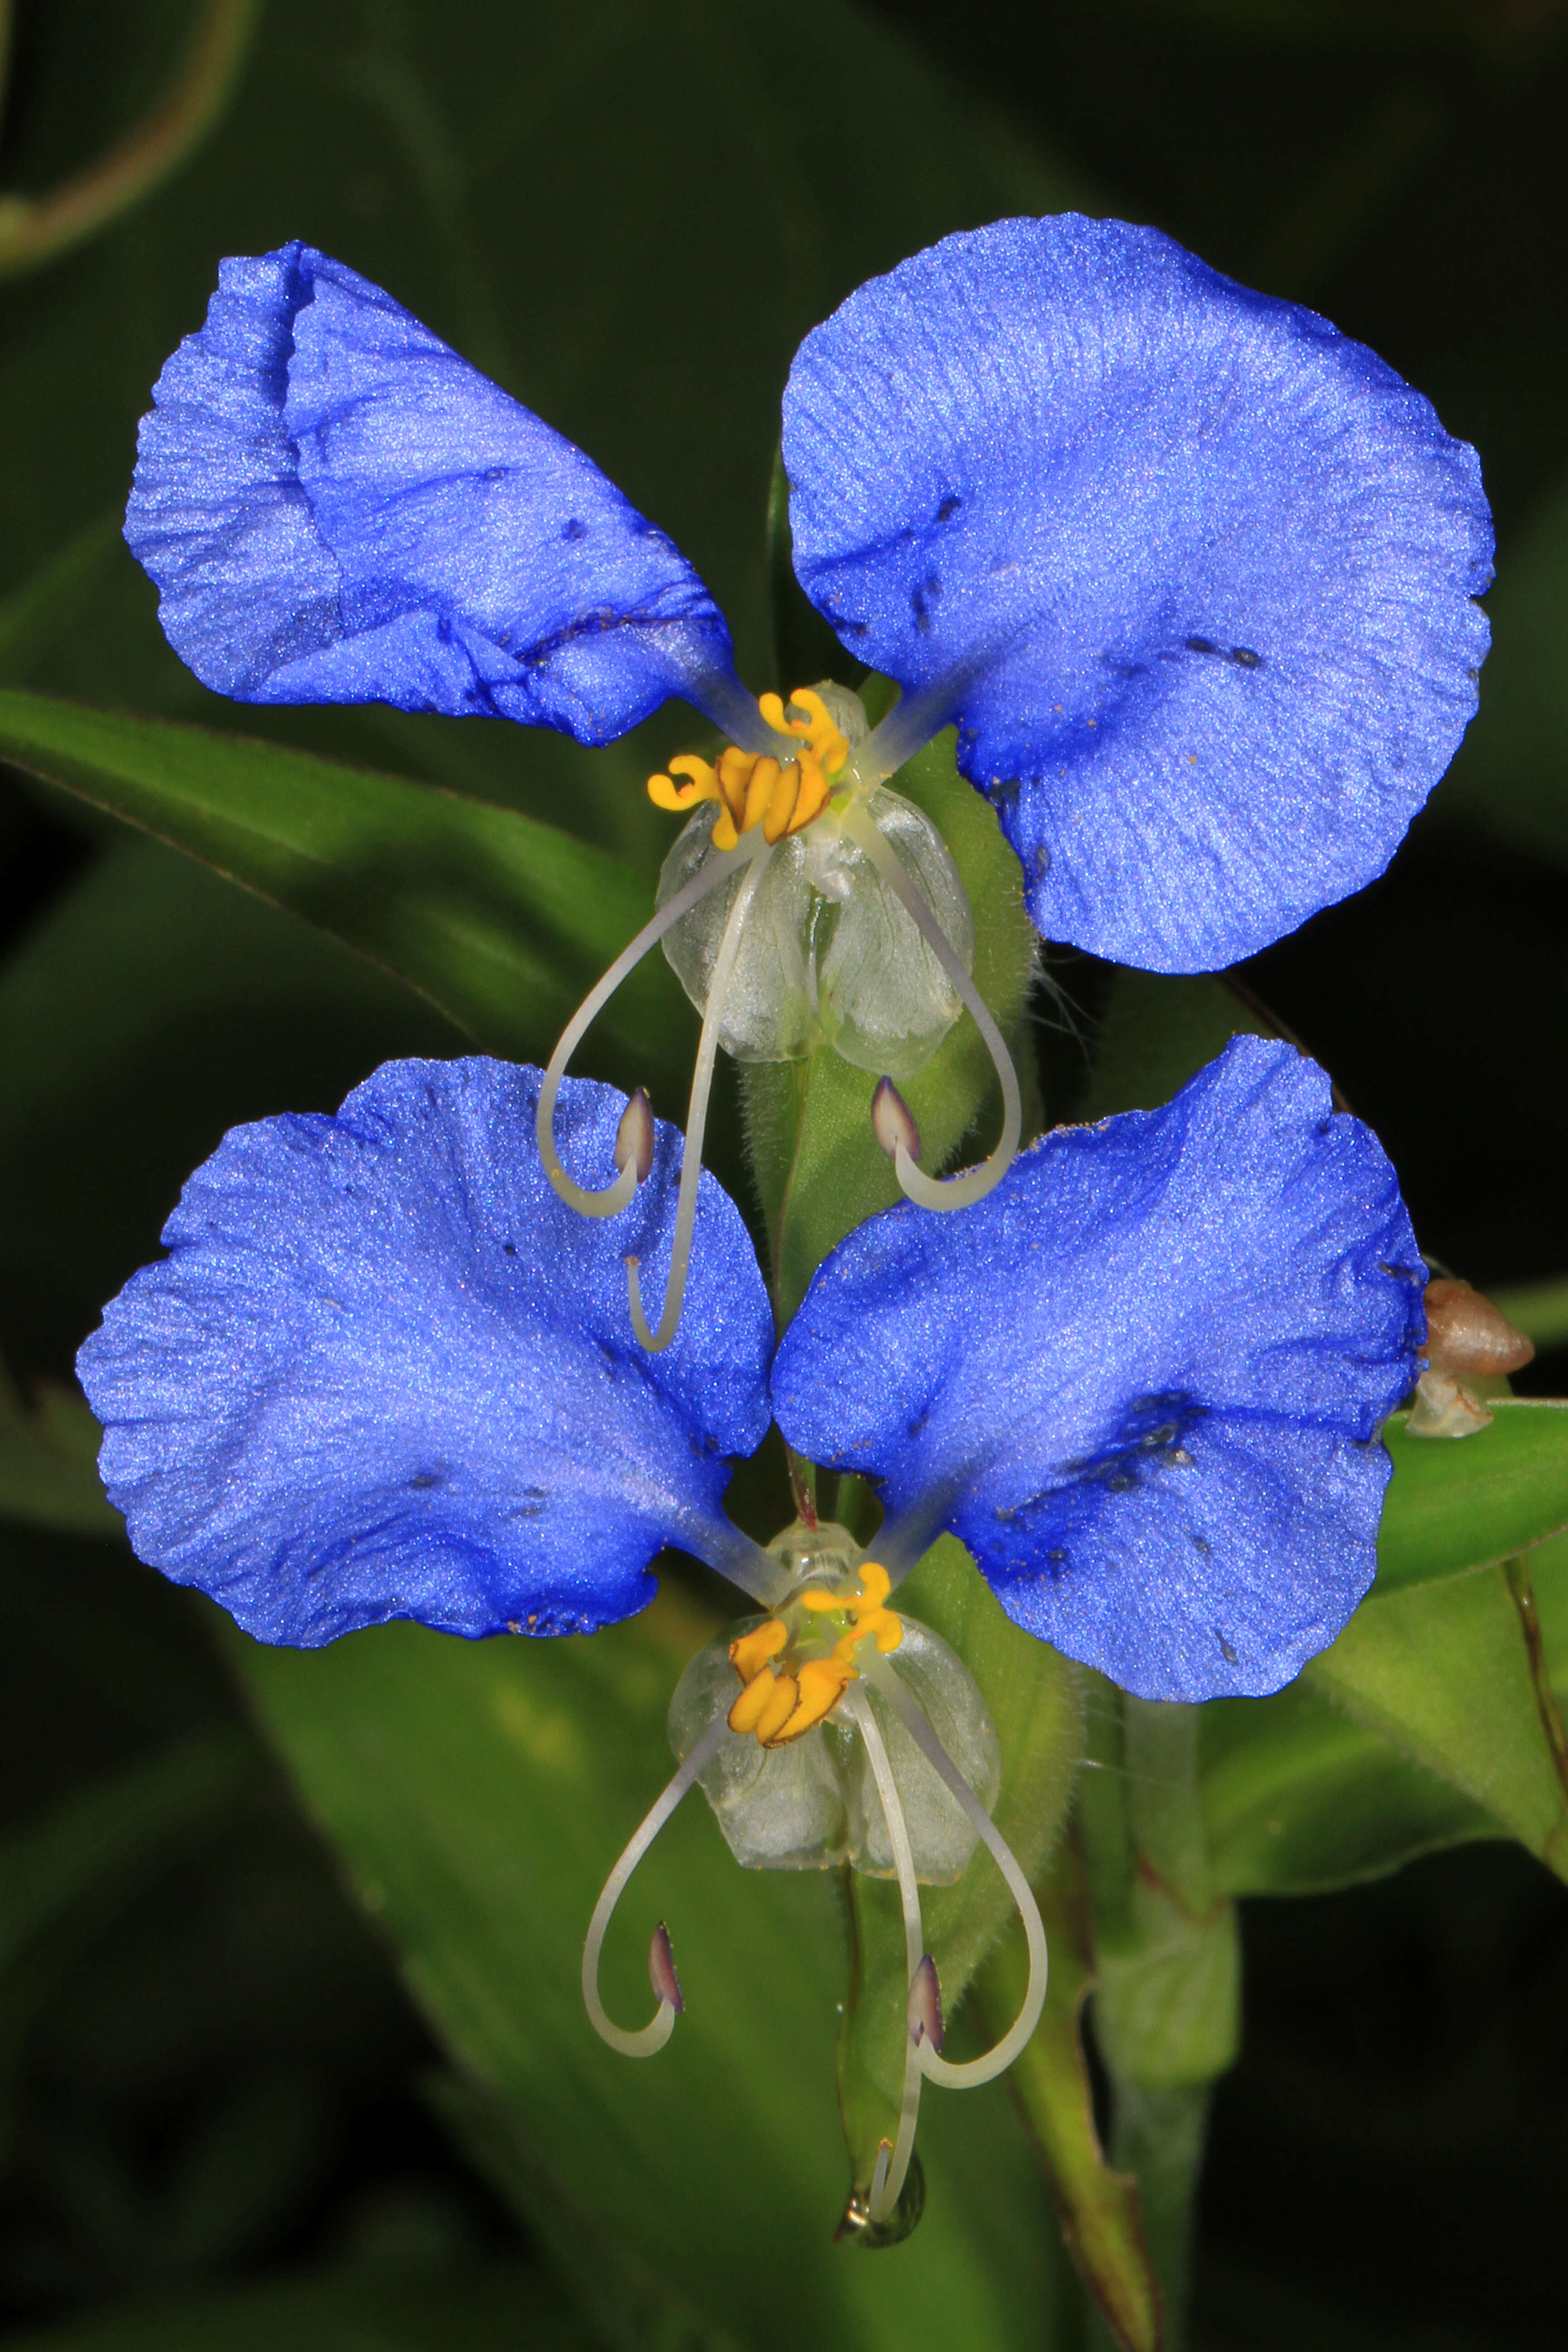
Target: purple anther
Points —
{"points": [[892, 1121], [634, 1137], [661, 1959], [924, 2012]]}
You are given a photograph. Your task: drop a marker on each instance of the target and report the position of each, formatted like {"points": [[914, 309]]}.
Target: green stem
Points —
{"points": [[1158, 2137], [35, 229]]}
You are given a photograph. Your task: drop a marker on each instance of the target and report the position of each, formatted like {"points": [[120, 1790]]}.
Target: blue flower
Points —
{"points": [[1142, 1382], [1190, 571]]}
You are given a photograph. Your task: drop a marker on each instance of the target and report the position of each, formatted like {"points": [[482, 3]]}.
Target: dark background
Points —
{"points": [[213, 2070]]}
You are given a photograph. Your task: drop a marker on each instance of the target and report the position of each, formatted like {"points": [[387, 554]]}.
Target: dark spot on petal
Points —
{"points": [[494, 473], [922, 598], [947, 509], [426, 1478], [1042, 859], [576, 529], [917, 1427], [1201, 646], [1245, 658], [510, 1248], [1226, 1652]]}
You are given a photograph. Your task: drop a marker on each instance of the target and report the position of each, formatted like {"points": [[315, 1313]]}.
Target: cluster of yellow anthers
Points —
{"points": [[779, 1700], [754, 788]]}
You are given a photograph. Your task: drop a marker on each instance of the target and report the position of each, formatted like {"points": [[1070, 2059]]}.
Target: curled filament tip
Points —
{"points": [[634, 1137], [893, 1122], [954, 1191], [651, 2037], [616, 1197]]}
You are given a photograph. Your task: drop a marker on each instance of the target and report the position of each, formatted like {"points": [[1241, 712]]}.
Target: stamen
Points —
{"points": [[757, 852], [887, 2180], [653, 2036], [615, 1196], [924, 2015], [635, 1135], [893, 1122], [954, 1191], [997, 2060]]}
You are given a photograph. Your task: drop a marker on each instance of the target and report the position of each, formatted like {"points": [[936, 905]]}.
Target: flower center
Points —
{"points": [[794, 1669], [753, 788]]}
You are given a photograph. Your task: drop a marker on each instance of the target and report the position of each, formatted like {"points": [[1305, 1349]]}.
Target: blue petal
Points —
{"points": [[386, 1372], [1192, 570], [1143, 1380], [337, 509]]}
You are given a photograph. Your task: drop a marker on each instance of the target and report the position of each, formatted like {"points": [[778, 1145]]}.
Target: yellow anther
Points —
{"points": [[702, 783], [828, 744], [760, 789], [780, 809], [782, 1694], [771, 708], [760, 1695], [750, 1653], [822, 1682], [868, 1606]]}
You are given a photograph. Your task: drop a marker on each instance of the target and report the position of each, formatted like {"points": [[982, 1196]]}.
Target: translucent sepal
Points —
{"points": [[830, 954]]}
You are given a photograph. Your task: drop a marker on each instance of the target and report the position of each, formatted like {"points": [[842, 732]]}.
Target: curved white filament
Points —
{"points": [[952, 1191], [653, 2036], [756, 849], [893, 2164], [997, 2060], [615, 1196]]}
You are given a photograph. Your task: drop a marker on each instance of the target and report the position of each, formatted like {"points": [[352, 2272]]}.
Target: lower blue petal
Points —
{"points": [[1143, 1380], [1192, 570], [386, 1372], [338, 509]]}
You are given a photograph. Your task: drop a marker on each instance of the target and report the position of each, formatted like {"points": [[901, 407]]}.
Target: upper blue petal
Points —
{"points": [[1193, 571], [386, 1372], [1143, 1380], [338, 509]]}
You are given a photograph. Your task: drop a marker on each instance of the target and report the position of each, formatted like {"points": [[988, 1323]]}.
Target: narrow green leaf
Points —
{"points": [[819, 1170], [1032, 1702], [1097, 2207], [48, 1457], [1539, 1309], [35, 614], [1299, 1798], [1456, 1504], [502, 921], [479, 1793], [1443, 1671]]}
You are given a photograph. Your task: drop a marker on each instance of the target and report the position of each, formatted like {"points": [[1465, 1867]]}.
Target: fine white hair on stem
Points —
{"points": [[893, 2164], [954, 1191], [617, 1196], [969, 2075], [653, 2036], [757, 851]]}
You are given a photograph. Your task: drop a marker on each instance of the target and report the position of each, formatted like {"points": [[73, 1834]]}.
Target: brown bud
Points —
{"points": [[924, 2015], [634, 1137], [661, 1970], [892, 1121], [1467, 1334]]}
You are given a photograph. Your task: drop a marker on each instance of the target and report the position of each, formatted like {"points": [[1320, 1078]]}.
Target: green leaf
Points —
{"points": [[1156, 1032], [1539, 1309], [497, 2310], [49, 1461], [1457, 1503], [502, 922], [1033, 1701], [1443, 1672], [819, 1170], [479, 1793], [1097, 2207], [1299, 1798]]}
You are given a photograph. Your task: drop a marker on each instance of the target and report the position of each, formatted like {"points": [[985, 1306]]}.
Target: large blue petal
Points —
{"points": [[337, 509], [1143, 1380], [1192, 570], [386, 1372]]}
